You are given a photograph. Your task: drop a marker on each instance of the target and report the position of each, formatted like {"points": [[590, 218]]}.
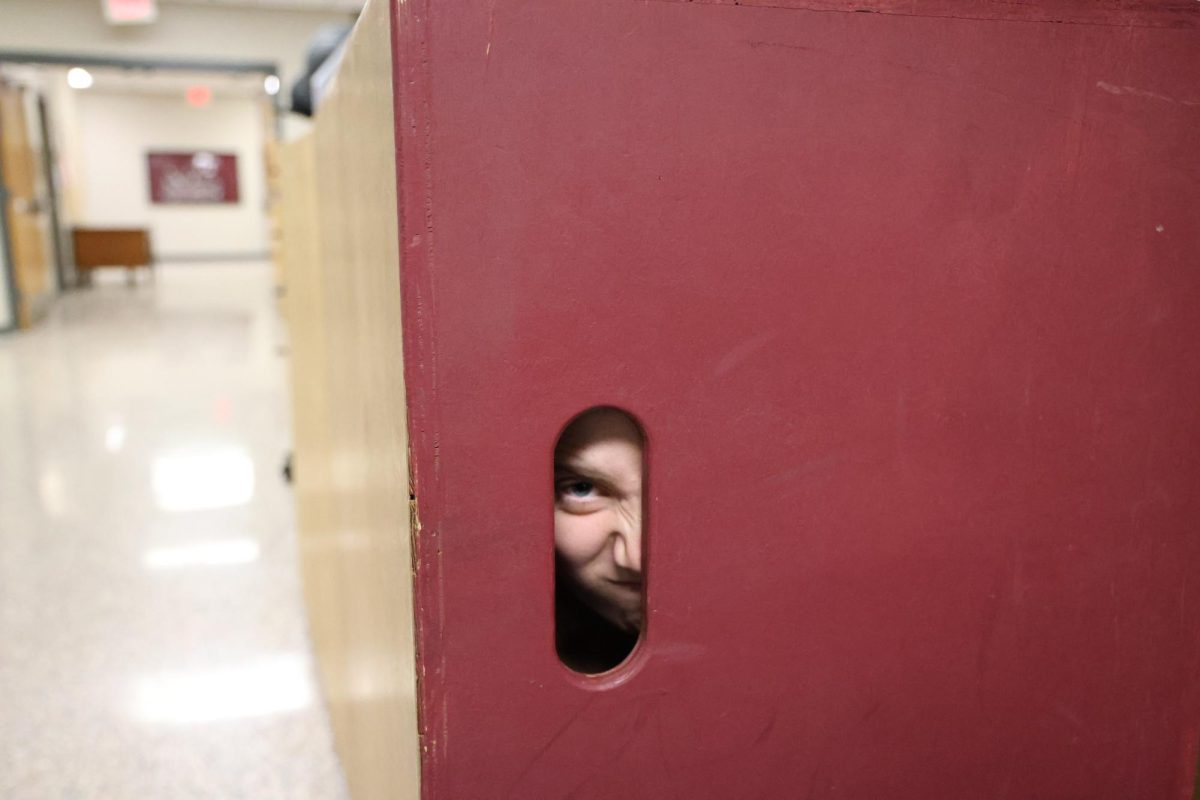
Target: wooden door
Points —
{"points": [[8, 295], [906, 302], [28, 217]]}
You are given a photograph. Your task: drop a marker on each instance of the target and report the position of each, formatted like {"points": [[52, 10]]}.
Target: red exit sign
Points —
{"points": [[130, 12]]}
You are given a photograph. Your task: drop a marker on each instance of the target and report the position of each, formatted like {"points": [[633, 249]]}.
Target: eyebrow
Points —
{"points": [[561, 468]]}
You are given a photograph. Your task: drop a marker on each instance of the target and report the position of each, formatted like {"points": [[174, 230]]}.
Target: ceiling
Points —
{"points": [[349, 6]]}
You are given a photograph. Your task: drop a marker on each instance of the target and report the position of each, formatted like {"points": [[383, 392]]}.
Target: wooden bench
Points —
{"points": [[111, 247]]}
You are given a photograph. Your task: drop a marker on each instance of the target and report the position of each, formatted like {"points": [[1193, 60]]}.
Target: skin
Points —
{"points": [[598, 513]]}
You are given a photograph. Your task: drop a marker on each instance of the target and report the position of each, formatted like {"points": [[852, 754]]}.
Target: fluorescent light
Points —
{"points": [[271, 84], [273, 685], [202, 554], [203, 478], [79, 78]]}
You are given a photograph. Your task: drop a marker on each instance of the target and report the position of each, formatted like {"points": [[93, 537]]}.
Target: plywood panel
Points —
{"points": [[351, 472], [309, 349]]}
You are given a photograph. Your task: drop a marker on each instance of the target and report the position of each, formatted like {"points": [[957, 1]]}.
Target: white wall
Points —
{"points": [[117, 130], [68, 140], [224, 33]]}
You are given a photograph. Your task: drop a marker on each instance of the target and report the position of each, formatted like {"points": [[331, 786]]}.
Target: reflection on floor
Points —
{"points": [[152, 638]]}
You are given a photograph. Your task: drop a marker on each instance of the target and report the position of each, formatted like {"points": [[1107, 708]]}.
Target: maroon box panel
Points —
{"points": [[907, 306]]}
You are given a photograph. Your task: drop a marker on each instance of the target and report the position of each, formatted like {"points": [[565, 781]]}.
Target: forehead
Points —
{"points": [[603, 443], [615, 461], [597, 425]]}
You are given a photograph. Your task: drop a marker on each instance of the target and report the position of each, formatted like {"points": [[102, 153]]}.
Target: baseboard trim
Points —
{"points": [[195, 258]]}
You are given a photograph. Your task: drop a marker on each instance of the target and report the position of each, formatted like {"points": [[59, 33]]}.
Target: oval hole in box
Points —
{"points": [[599, 547]]}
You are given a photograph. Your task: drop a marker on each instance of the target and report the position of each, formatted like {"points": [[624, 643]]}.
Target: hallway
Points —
{"points": [[155, 644]]}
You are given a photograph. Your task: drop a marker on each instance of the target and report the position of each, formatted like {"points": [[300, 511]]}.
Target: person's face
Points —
{"points": [[598, 513]]}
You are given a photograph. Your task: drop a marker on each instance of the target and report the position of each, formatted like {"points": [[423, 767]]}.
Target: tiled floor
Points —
{"points": [[152, 638]]}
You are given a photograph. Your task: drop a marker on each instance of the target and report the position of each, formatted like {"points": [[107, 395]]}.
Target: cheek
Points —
{"points": [[578, 539]]}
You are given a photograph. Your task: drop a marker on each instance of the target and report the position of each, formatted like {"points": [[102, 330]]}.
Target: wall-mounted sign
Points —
{"points": [[130, 12], [194, 177]]}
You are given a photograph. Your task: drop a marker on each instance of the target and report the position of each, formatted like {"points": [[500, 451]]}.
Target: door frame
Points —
{"points": [[9, 277], [49, 155]]}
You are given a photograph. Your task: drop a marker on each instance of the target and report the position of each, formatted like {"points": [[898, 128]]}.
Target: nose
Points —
{"points": [[627, 539]]}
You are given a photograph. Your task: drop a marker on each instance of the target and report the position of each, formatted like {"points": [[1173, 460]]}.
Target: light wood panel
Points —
{"points": [[350, 462]]}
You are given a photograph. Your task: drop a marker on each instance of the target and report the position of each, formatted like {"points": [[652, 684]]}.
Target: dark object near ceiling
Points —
{"points": [[321, 47]]}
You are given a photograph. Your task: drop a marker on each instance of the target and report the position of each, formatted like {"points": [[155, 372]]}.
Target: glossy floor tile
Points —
{"points": [[152, 638]]}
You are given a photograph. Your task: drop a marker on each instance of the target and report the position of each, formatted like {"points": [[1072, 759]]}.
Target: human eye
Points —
{"points": [[579, 489], [576, 492]]}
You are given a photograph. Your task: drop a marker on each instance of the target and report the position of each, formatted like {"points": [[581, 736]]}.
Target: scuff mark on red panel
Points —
{"points": [[1144, 93], [1114, 13]]}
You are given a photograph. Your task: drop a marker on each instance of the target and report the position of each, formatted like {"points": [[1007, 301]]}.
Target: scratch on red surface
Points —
{"points": [[1190, 764], [545, 748], [770, 726], [601, 769], [1107, 13], [1130, 90], [1183, 604], [487, 53], [990, 615]]}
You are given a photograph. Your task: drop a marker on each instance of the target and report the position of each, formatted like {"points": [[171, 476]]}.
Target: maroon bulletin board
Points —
{"points": [[192, 177]]}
